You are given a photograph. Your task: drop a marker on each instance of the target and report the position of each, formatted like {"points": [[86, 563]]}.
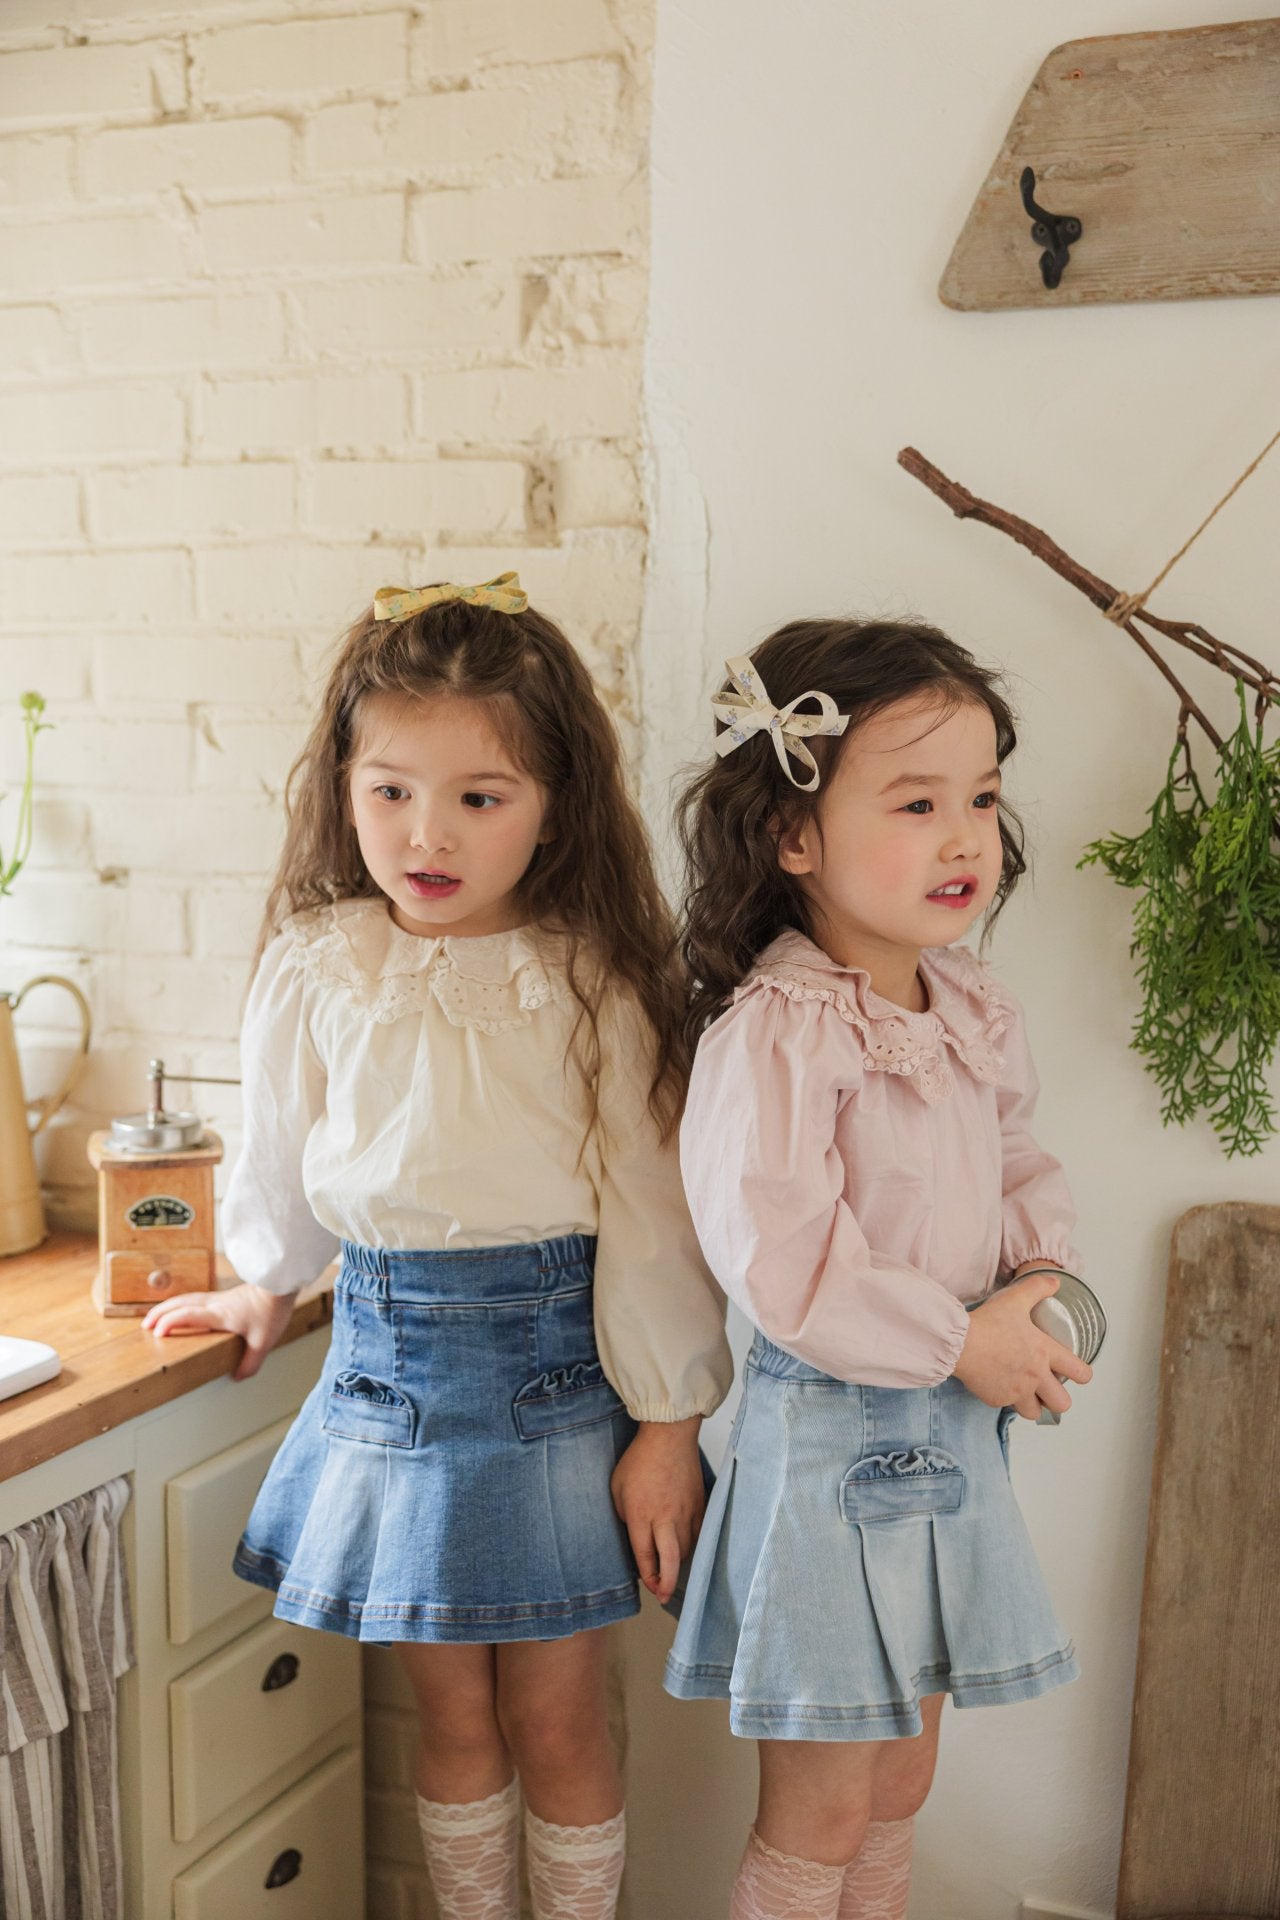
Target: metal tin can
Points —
{"points": [[1074, 1316]]}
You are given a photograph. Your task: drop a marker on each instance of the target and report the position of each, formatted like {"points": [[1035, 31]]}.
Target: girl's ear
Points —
{"points": [[797, 847]]}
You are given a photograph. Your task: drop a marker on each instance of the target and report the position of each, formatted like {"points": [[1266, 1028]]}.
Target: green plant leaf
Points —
{"points": [[1206, 937]]}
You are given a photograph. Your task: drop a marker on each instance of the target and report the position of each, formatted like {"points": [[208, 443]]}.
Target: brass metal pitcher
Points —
{"points": [[21, 1212]]}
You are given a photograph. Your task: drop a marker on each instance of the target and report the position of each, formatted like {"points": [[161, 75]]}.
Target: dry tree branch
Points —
{"points": [[1186, 633]]}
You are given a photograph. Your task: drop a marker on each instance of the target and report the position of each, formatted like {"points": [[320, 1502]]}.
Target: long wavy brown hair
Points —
{"points": [[733, 813], [592, 882]]}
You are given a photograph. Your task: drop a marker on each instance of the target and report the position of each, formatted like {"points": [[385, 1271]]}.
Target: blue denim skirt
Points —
{"points": [[862, 1548], [448, 1476]]}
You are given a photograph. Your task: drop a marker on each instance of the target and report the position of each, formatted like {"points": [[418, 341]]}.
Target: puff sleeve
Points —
{"points": [[659, 1313], [269, 1232], [1037, 1212], [765, 1184]]}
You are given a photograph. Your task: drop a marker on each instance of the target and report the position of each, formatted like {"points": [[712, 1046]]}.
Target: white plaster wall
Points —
{"points": [[812, 165]]}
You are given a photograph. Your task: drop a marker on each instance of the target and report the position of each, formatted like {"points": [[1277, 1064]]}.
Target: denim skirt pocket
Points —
{"points": [[361, 1408], [570, 1397], [895, 1486]]}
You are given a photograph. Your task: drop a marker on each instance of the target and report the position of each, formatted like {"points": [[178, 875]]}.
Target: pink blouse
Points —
{"points": [[856, 1171]]}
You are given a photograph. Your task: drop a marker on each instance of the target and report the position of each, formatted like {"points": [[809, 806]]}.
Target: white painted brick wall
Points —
{"points": [[213, 330], [215, 156], [60, 86], [457, 36], [34, 339], [77, 422], [322, 414], [295, 301], [305, 60]]}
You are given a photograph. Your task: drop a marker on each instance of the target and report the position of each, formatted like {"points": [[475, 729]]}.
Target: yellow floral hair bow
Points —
{"points": [[504, 594], [750, 711]]}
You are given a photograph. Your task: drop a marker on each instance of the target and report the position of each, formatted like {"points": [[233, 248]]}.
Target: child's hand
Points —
{"points": [[257, 1316], [1006, 1361], [659, 1497]]}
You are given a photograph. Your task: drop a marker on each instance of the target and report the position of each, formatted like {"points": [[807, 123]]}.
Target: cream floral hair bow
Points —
{"points": [[749, 710], [504, 594]]}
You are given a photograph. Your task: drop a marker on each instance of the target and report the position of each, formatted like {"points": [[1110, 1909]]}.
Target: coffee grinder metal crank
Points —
{"points": [[155, 1201]]}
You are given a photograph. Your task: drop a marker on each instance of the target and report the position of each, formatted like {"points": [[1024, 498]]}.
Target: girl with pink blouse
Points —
{"points": [[858, 1157]]}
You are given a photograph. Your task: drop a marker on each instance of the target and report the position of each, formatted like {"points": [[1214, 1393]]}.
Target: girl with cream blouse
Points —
{"points": [[463, 1063]]}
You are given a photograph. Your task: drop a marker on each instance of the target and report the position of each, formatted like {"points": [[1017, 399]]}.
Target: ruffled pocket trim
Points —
{"points": [[896, 1486]]}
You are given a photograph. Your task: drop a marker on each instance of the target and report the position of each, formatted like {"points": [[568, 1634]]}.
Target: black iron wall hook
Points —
{"points": [[1057, 233]]}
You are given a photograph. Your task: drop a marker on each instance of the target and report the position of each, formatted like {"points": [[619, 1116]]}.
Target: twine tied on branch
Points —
{"points": [[1125, 605]]}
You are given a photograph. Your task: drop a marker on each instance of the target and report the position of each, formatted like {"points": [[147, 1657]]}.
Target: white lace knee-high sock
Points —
{"points": [[575, 1872], [876, 1884], [781, 1886], [473, 1854]]}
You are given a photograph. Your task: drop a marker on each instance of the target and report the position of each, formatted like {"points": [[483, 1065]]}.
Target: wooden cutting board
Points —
{"points": [[1165, 145], [1202, 1815]]}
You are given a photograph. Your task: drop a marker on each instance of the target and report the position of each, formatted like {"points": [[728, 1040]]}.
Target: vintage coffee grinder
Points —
{"points": [[155, 1202]]}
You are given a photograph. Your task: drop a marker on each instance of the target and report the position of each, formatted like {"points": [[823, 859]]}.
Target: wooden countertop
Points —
{"points": [[111, 1369]]}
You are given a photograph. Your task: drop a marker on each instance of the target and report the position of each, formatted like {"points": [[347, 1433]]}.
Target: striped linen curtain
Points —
{"points": [[65, 1640]]}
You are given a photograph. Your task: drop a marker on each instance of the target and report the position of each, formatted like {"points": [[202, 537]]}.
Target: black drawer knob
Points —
{"points": [[282, 1672], [285, 1867]]}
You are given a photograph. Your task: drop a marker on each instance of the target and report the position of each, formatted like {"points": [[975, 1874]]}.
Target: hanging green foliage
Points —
{"points": [[1206, 936]]}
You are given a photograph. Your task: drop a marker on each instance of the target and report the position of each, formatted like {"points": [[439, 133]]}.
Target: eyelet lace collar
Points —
{"points": [[968, 1011], [490, 982]]}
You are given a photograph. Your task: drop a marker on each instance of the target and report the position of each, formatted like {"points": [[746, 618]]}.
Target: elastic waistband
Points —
{"points": [[767, 1358], [454, 1277]]}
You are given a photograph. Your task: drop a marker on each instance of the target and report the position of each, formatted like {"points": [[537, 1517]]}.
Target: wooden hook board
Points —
{"points": [[1165, 145]]}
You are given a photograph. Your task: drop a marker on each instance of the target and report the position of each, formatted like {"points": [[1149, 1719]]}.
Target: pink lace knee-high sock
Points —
{"points": [[876, 1884], [575, 1872], [781, 1886], [473, 1854]]}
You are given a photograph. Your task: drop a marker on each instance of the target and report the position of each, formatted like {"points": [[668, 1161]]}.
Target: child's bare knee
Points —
{"points": [[545, 1734], [901, 1799]]}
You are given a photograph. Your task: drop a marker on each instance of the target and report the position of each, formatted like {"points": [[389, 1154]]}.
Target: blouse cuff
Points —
{"points": [[952, 1339], [660, 1413], [1057, 1253], [275, 1283]]}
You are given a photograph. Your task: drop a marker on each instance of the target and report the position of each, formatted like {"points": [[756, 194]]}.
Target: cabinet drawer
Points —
{"points": [[135, 1278], [205, 1512], [310, 1842], [249, 1710]]}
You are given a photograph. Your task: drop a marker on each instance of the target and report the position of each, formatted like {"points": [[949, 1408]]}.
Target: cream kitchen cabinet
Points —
{"points": [[240, 1736]]}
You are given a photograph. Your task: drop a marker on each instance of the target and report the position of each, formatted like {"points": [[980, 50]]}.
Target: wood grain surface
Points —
{"points": [[1202, 1816], [111, 1369], [1165, 145]]}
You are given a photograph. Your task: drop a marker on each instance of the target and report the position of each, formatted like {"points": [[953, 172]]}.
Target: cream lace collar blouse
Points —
{"points": [[413, 1093]]}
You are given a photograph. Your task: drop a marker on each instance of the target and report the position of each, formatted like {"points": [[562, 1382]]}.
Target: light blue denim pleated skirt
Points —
{"points": [[862, 1548], [448, 1476]]}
